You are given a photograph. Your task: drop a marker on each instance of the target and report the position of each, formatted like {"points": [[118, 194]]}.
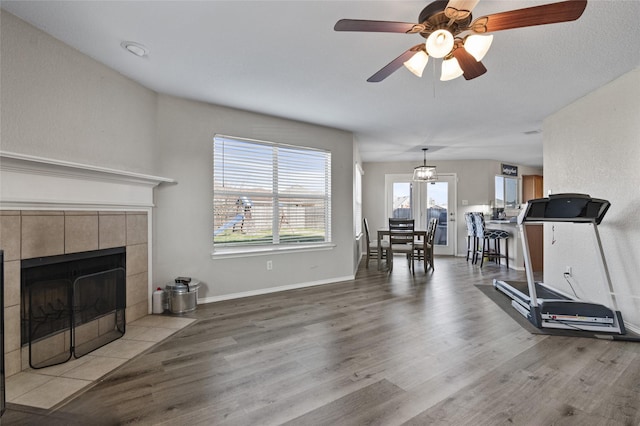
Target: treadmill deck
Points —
{"points": [[520, 290]]}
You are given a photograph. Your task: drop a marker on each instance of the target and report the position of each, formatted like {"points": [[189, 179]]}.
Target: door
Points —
{"points": [[422, 201], [399, 197], [438, 199]]}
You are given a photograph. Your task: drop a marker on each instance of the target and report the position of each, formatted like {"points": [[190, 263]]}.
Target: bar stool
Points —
{"points": [[484, 237], [472, 241]]}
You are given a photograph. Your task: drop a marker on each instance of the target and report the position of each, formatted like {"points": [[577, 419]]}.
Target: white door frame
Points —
{"points": [[419, 204], [420, 211]]}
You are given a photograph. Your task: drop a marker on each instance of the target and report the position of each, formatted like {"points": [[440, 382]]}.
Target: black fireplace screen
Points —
{"points": [[72, 304]]}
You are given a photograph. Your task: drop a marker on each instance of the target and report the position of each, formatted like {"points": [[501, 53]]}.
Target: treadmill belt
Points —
{"points": [[542, 291]]}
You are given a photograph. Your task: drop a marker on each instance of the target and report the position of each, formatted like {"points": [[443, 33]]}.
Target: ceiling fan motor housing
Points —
{"points": [[433, 18]]}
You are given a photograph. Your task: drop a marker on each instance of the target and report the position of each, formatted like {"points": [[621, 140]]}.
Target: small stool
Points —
{"points": [[486, 235]]}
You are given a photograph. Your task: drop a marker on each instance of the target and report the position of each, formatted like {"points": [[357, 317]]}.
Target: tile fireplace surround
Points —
{"points": [[51, 207], [27, 234]]}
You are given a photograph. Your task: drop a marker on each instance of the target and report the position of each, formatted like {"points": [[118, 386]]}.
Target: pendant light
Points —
{"points": [[425, 173]]}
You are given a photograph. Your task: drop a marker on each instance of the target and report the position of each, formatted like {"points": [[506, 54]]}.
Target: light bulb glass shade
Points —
{"points": [[478, 45], [425, 174], [439, 43], [417, 63], [450, 69]]}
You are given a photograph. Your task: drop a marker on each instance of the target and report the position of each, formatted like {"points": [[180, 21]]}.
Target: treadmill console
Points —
{"points": [[565, 208]]}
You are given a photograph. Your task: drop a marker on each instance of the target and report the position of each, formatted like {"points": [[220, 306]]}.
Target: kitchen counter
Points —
{"points": [[516, 256], [535, 238]]}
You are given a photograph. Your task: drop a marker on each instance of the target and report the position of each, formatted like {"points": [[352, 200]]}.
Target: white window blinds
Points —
{"points": [[267, 193]]}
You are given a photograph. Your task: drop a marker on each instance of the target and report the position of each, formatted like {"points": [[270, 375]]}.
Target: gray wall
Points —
{"points": [[184, 220], [593, 146], [58, 103], [475, 184]]}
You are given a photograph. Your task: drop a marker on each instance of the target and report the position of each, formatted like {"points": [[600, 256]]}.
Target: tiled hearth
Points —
{"points": [[37, 233], [47, 387]]}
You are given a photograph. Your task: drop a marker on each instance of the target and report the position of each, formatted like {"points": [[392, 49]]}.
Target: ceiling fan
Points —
{"points": [[451, 34]]}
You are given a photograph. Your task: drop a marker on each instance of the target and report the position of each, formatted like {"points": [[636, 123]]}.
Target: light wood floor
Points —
{"points": [[382, 349]]}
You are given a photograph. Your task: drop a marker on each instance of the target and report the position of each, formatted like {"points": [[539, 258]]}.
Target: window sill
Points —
{"points": [[235, 252]]}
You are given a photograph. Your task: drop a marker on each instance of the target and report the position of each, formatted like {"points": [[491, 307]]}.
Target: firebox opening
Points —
{"points": [[72, 304]]}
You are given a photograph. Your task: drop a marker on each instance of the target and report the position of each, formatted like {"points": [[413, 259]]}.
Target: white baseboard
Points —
{"points": [[273, 290], [632, 328]]}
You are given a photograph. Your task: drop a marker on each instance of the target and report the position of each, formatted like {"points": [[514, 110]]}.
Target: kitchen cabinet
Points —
{"points": [[531, 187], [535, 238]]}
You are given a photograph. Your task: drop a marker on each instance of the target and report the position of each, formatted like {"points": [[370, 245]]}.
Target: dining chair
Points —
{"points": [[372, 246], [401, 241], [420, 249], [429, 243], [418, 246], [424, 249]]}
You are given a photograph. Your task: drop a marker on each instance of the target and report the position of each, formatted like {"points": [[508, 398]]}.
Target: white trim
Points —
{"points": [[32, 182], [247, 251], [250, 293], [13, 161], [71, 205], [632, 328]]}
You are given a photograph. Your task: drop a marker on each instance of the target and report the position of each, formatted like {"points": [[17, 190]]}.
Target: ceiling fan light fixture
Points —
{"points": [[450, 69], [439, 43], [425, 173], [417, 63], [478, 45]]}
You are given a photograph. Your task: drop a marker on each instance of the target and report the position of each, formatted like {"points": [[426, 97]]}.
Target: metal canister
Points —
{"points": [[182, 297]]}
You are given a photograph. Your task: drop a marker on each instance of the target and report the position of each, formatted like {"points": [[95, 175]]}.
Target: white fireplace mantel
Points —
{"points": [[28, 181]]}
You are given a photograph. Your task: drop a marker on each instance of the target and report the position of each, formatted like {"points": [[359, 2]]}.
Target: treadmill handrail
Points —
{"points": [[534, 220]]}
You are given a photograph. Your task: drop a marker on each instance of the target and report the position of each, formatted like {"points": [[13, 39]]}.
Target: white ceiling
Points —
{"points": [[283, 58]]}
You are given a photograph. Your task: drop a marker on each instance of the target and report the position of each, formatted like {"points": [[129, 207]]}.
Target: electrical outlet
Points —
{"points": [[568, 271], [269, 265]]}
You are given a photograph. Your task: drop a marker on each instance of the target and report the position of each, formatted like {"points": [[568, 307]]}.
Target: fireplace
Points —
{"points": [[72, 304], [50, 207]]}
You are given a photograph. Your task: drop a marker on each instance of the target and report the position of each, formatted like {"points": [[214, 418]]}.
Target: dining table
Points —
{"points": [[382, 232]]}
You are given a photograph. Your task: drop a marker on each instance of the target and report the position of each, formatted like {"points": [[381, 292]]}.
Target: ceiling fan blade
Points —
{"points": [[537, 15], [470, 67], [377, 26], [393, 66]]}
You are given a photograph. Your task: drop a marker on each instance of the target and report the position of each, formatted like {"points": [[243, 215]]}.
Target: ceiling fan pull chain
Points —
{"points": [[433, 80]]}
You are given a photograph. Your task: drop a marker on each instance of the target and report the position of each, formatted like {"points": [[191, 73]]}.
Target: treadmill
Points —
{"points": [[546, 307]]}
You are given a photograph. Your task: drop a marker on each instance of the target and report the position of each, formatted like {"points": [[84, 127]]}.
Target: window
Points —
{"points": [[402, 200], [267, 193], [506, 192], [399, 196]]}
